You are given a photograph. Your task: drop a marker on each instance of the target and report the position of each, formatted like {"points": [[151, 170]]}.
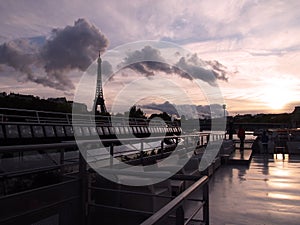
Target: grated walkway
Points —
{"points": [[265, 193]]}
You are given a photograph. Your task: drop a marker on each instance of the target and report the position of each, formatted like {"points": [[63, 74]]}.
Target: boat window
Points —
{"points": [[134, 129], [140, 129], [25, 131], [77, 131], [93, 130], [86, 131], [38, 131], [143, 130], [152, 129], [60, 131], [121, 130], [1, 132], [105, 131], [11, 131], [111, 130], [69, 131], [146, 130], [49, 131], [126, 130], [100, 131], [117, 131]]}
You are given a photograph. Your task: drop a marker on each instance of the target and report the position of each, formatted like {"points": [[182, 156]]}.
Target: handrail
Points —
{"points": [[175, 203], [34, 147], [44, 116]]}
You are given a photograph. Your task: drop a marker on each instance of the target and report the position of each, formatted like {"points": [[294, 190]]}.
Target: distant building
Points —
{"points": [[23, 97], [296, 117], [57, 100], [79, 107]]}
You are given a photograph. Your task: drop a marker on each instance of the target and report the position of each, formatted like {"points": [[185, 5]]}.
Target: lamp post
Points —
{"points": [[224, 107]]}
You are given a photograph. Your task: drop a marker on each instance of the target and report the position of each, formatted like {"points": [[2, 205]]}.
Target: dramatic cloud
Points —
{"points": [[219, 70], [74, 47], [148, 61], [11, 55], [47, 63]]}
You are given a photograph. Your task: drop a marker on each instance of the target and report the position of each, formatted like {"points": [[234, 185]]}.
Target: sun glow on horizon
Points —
{"points": [[278, 93]]}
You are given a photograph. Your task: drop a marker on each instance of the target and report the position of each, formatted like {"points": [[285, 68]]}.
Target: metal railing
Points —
{"points": [[46, 117], [177, 205], [46, 189]]}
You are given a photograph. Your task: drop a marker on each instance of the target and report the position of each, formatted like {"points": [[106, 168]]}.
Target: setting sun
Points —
{"points": [[277, 93]]}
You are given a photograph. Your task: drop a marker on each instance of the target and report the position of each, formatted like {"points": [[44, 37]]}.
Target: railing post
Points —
{"points": [[111, 152], [206, 204], [62, 161], [84, 189], [180, 215], [67, 116], [37, 116], [162, 148], [186, 140], [142, 153]]}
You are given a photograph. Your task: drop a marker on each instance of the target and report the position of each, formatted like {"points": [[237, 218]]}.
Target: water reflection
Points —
{"points": [[242, 173], [283, 196], [281, 157], [265, 169], [268, 192]]}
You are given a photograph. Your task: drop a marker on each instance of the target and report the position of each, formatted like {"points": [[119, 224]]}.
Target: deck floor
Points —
{"points": [[240, 156], [267, 192]]}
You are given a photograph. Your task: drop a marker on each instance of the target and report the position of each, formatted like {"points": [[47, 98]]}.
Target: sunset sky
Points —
{"points": [[256, 43]]}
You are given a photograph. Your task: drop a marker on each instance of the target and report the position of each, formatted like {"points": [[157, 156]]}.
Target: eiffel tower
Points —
{"points": [[99, 104]]}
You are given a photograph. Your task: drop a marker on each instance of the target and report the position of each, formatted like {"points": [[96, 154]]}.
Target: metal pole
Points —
{"points": [[162, 148], [206, 204], [111, 152], [142, 153], [62, 160], [180, 216], [83, 190], [37, 116]]}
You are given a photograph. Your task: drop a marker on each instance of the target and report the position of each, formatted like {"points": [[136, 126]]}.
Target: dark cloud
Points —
{"points": [[190, 70], [74, 47], [46, 62], [148, 61], [219, 70], [12, 56]]}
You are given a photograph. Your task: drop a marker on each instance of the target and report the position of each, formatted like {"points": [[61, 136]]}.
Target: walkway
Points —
{"points": [[266, 193]]}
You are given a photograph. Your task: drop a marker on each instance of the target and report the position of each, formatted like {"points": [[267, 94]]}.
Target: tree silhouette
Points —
{"points": [[165, 116], [136, 113]]}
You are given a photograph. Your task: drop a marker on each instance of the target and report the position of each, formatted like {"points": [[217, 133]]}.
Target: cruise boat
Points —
{"points": [[42, 164]]}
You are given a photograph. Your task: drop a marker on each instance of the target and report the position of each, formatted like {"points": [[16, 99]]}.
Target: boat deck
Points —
{"points": [[267, 192], [240, 157]]}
